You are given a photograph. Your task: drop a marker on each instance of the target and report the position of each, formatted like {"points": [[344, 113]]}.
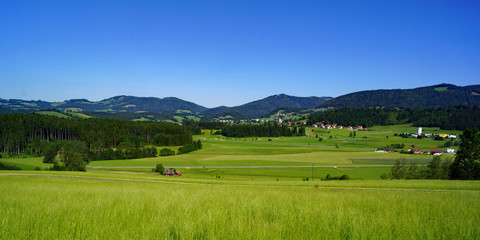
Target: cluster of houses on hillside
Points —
{"points": [[332, 126]]}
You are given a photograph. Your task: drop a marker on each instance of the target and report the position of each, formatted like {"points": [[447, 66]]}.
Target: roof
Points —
{"points": [[415, 149], [436, 150]]}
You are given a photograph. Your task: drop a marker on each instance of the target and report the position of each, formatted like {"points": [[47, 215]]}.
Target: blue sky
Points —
{"points": [[231, 52]]}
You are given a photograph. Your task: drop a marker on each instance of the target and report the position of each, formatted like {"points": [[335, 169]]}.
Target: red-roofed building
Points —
{"points": [[436, 152]]}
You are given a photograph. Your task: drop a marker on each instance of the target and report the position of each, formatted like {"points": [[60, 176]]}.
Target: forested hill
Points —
{"points": [[442, 95], [114, 104], [261, 107]]}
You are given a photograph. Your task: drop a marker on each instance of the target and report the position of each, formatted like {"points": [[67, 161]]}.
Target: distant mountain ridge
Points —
{"points": [[442, 95], [131, 104], [263, 106]]}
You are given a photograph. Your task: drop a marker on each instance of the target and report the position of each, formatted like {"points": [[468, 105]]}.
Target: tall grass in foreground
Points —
{"points": [[44, 207]]}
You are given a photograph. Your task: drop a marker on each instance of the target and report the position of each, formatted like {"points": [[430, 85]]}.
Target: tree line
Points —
{"points": [[32, 133], [261, 130], [458, 117]]}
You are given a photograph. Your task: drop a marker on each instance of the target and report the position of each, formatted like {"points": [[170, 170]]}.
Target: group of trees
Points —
{"points": [[465, 167], [457, 117], [261, 130], [76, 142], [33, 133], [196, 127], [190, 147], [436, 169]]}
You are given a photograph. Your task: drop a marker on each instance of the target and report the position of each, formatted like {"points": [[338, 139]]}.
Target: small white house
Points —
{"points": [[450, 150]]}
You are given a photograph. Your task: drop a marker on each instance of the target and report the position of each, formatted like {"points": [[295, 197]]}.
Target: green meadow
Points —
{"points": [[244, 188]]}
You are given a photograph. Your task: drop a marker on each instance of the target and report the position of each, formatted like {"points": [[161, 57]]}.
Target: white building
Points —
{"points": [[419, 131]]}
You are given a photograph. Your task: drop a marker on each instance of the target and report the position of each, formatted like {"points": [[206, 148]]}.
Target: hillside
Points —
{"points": [[442, 95], [261, 107], [114, 104]]}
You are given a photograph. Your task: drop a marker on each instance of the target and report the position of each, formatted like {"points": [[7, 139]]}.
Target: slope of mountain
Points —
{"points": [[442, 95], [261, 107], [150, 104], [114, 104]]}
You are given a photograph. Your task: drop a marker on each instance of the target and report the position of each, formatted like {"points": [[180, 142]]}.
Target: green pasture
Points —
{"points": [[104, 205], [337, 148], [54, 114]]}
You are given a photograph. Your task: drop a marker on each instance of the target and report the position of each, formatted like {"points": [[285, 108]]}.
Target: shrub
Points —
{"points": [[167, 152], [6, 166], [159, 168]]}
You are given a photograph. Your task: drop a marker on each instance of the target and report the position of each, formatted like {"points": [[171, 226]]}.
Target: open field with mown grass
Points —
{"points": [[115, 205]]}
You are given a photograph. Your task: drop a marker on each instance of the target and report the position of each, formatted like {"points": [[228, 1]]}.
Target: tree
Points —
{"points": [[159, 168], [467, 162], [399, 170], [75, 156], [166, 152]]}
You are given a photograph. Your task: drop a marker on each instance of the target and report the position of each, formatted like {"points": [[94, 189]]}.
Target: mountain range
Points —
{"points": [[441, 95]]}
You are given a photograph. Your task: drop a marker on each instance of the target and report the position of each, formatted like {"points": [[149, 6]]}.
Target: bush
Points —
{"points": [[159, 168], [6, 166], [167, 152], [328, 177]]}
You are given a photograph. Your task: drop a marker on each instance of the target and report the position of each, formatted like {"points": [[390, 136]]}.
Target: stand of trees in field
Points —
{"points": [[457, 117], [466, 165], [87, 139], [261, 130], [196, 127]]}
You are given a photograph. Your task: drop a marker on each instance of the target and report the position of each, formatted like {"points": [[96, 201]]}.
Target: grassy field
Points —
{"points": [[209, 202], [129, 206], [336, 149]]}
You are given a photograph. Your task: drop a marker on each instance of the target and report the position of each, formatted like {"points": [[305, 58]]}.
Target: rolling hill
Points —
{"points": [[442, 95], [261, 107]]}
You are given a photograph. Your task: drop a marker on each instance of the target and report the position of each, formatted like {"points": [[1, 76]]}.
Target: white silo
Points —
{"points": [[419, 131]]}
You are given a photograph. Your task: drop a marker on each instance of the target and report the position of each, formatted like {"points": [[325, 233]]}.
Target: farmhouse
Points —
{"points": [[450, 150], [436, 152], [415, 150], [171, 172]]}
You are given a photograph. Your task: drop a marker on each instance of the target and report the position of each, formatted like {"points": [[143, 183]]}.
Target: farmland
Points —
{"points": [[240, 202]]}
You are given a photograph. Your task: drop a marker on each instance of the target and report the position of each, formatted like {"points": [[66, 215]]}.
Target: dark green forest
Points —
{"points": [[33, 133], [261, 130], [451, 118]]}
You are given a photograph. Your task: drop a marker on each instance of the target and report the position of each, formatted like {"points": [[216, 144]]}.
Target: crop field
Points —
{"points": [[244, 188]]}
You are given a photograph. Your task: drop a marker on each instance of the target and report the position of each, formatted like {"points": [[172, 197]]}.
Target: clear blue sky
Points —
{"points": [[232, 52]]}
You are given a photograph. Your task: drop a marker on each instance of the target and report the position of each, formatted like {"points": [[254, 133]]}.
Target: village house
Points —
{"points": [[340, 127], [171, 172], [436, 152], [450, 150], [414, 150]]}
